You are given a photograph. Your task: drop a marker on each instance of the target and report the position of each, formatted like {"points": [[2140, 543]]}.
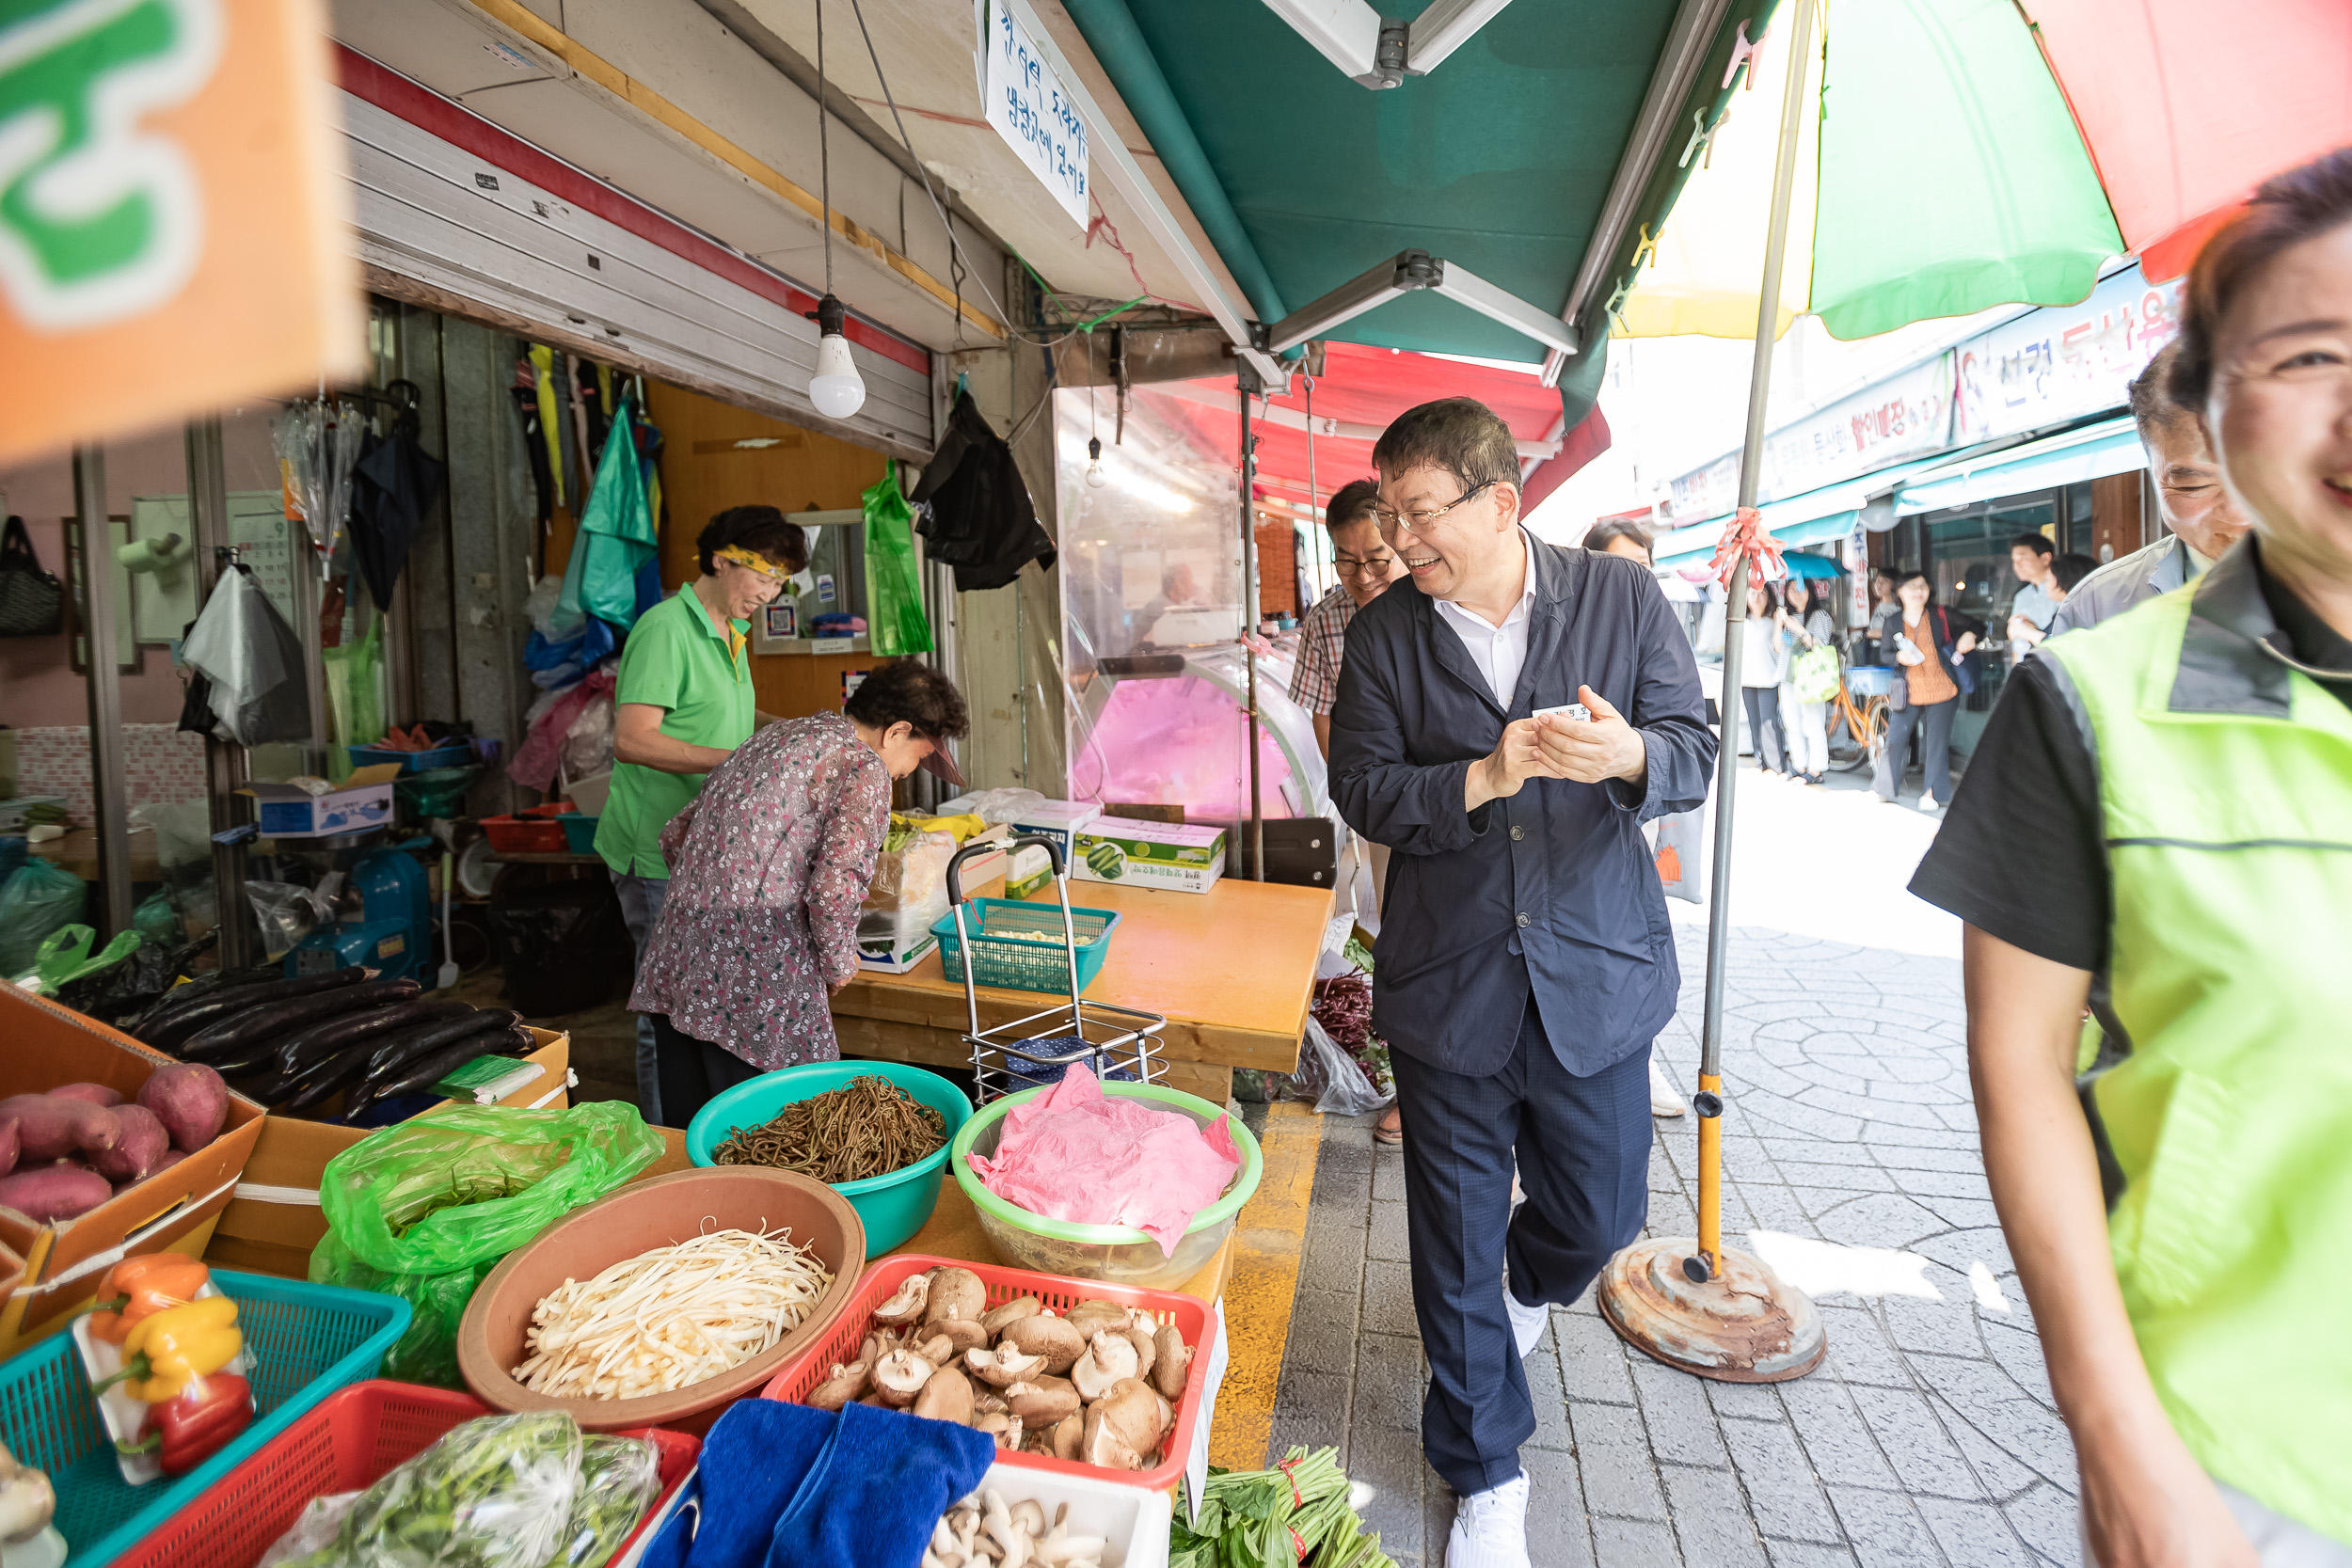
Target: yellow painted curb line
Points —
{"points": [[1268, 1241]]}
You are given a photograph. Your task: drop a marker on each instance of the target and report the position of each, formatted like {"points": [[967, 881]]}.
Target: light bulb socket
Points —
{"points": [[830, 314], [1094, 448]]}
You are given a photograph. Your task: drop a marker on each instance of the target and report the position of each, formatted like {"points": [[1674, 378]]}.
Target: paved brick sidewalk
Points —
{"points": [[1927, 1437]]}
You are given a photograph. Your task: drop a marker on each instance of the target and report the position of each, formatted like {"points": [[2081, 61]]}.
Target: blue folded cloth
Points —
{"points": [[782, 1486]]}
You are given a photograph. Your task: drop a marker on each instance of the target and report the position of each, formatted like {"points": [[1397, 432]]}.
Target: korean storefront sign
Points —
{"points": [[1904, 417], [1022, 98], [2062, 362], [172, 229]]}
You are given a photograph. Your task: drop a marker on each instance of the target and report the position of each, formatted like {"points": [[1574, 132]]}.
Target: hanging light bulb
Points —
{"points": [[1095, 477], [837, 389]]}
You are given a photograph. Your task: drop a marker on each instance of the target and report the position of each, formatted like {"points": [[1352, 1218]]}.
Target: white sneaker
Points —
{"points": [[1527, 1323], [1490, 1528], [1663, 1101]]}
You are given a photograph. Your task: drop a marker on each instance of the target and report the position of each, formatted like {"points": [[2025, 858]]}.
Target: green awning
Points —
{"points": [[2094, 451]]}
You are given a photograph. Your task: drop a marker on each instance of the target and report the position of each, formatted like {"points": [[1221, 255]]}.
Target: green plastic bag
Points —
{"points": [[65, 956], [354, 695], [1815, 673], [894, 589], [424, 1210], [616, 534], [39, 897]]}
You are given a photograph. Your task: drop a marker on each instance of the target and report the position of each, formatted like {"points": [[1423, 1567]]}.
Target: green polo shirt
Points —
{"points": [[675, 659]]}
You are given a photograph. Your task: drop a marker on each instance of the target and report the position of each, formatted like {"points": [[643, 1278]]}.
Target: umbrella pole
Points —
{"points": [[1694, 1303]]}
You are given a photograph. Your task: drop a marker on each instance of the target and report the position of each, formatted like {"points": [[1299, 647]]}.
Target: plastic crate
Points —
{"points": [[1192, 1318], [532, 831], [457, 755], [580, 831], [1020, 945], [306, 1341], [1869, 680], [347, 1441]]}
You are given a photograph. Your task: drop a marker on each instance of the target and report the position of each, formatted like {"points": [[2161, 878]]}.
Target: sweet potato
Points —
{"points": [[144, 1142], [191, 1102], [49, 1127], [8, 1147], [97, 1094], [53, 1193]]}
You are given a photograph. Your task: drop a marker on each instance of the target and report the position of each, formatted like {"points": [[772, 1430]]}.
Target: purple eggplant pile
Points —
{"points": [[294, 1044]]}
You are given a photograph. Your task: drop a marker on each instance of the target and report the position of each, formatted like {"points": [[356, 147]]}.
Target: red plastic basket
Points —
{"points": [[534, 829], [344, 1443], [1192, 1318]]}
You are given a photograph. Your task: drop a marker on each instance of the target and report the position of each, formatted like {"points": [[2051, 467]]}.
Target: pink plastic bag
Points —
{"points": [[1074, 1154]]}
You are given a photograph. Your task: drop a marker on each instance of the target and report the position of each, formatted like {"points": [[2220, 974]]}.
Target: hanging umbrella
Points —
{"points": [[394, 484], [1966, 153]]}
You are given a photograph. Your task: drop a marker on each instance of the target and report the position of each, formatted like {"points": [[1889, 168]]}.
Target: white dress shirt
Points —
{"points": [[1499, 652]]}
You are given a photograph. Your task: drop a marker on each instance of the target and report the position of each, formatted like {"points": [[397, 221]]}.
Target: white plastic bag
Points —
{"points": [[908, 892], [991, 806], [1331, 1075], [286, 914], [1680, 850]]}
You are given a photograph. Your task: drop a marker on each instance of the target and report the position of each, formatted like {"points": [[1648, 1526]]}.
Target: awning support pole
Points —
{"points": [[1692, 1304], [1250, 628]]}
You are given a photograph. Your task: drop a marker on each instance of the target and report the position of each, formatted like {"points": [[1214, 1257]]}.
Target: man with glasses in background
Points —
{"points": [[1505, 732], [1365, 567]]}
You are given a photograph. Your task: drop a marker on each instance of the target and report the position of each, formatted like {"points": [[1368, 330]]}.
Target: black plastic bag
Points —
{"points": [[563, 946]]}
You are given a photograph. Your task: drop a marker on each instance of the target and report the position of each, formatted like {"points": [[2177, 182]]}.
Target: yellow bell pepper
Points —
{"points": [[166, 1353]]}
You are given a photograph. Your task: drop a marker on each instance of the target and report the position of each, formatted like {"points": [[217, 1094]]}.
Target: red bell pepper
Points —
{"points": [[195, 1424]]}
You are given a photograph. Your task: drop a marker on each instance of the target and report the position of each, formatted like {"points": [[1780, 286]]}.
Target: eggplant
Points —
{"points": [[244, 1062], [388, 1055], [272, 1019], [313, 1043], [329, 1076], [207, 984], [423, 1072], [173, 1029]]}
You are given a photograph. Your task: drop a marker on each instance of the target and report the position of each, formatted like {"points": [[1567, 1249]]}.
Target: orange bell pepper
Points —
{"points": [[139, 1288]]}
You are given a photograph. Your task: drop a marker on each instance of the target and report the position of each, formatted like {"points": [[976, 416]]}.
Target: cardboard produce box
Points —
{"points": [[1129, 850], [288, 810], [173, 1211], [274, 1219]]}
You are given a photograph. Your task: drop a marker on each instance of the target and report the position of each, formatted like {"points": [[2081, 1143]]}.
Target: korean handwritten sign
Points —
{"points": [[2056, 364], [1024, 101]]}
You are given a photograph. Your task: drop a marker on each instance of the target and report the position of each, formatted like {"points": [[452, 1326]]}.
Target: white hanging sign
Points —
{"points": [[1023, 99]]}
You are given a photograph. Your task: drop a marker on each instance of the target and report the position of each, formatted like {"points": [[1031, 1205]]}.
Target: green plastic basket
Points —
{"points": [[305, 1341], [1021, 947]]}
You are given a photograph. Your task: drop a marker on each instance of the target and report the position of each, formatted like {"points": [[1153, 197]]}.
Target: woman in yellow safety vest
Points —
{"points": [[2156, 824]]}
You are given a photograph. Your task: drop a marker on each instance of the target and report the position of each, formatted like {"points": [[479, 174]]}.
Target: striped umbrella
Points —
{"points": [[1966, 153]]}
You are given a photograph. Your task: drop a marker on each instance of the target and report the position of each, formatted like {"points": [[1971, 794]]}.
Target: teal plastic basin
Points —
{"points": [[893, 1207]]}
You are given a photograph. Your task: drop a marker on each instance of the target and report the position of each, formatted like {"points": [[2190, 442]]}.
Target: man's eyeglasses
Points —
{"points": [[1371, 566], [1388, 520]]}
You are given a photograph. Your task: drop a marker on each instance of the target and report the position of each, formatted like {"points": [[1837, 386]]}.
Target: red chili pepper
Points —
{"points": [[197, 1423]]}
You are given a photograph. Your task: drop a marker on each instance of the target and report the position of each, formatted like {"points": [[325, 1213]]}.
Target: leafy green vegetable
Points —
{"points": [[497, 1491], [619, 1478], [1296, 1515]]}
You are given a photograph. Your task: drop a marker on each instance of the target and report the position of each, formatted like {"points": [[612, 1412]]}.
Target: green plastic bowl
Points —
{"points": [[893, 1206], [1118, 1254]]}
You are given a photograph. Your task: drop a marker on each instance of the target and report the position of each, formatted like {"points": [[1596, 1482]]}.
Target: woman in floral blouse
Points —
{"points": [[768, 867]]}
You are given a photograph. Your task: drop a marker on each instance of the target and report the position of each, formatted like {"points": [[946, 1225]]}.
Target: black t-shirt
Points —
{"points": [[2019, 855]]}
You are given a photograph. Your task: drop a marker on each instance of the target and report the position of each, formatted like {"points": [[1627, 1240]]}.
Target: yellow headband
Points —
{"points": [[753, 561]]}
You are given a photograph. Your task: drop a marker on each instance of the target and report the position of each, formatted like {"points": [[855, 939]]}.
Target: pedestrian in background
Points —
{"points": [[2031, 558], [1807, 632], [1928, 643], [2156, 830], [1763, 659]]}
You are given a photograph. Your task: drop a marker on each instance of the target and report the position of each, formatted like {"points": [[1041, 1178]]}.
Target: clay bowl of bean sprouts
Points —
{"points": [[666, 1302]]}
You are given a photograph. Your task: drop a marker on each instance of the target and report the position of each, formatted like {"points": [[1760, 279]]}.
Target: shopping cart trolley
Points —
{"points": [[1009, 942]]}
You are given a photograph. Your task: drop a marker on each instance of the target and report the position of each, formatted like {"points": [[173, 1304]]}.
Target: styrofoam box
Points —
{"points": [[1134, 1519]]}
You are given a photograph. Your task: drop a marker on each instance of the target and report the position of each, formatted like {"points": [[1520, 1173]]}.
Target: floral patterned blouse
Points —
{"points": [[768, 867]]}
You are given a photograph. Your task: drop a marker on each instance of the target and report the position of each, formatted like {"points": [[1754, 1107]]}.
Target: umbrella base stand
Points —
{"points": [[1744, 1325]]}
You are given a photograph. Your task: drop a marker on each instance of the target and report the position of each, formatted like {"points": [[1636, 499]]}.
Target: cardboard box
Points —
{"points": [[173, 1211], [1136, 853], [1032, 869], [274, 1219], [890, 960], [1057, 820], [288, 810]]}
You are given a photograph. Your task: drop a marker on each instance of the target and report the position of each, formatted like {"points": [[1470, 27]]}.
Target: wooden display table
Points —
{"points": [[1233, 970]]}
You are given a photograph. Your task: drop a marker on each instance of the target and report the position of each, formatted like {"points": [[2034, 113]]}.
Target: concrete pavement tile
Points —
{"points": [[2018, 1350], [1804, 1150], [1389, 1464], [1388, 1176], [1859, 1349], [1682, 1427], [1592, 1358], [1884, 1529], [1774, 1207], [2050, 1521], [1914, 1439], [1985, 1244], [1389, 1238], [1388, 1299], [1894, 1135], [1940, 1328], [1558, 1533], [1974, 1535], [1962, 1213], [1745, 1402], [1881, 1220], [1806, 1554], [1613, 1452], [1311, 1410], [1813, 1074], [1932, 1184], [1933, 1095], [1711, 1518], [1633, 1544], [1787, 1501], [1389, 1384], [1323, 1333], [1997, 1470], [1870, 1109], [1814, 1171], [1909, 1156], [1834, 1436], [1551, 1401]]}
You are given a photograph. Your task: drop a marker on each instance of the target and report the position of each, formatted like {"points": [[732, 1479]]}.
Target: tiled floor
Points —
{"points": [[1927, 1437]]}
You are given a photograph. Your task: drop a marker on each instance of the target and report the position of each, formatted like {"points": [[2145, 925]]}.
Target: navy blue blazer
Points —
{"points": [[1552, 893]]}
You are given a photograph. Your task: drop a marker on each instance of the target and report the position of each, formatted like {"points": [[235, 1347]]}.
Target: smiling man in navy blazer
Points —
{"points": [[1525, 959]]}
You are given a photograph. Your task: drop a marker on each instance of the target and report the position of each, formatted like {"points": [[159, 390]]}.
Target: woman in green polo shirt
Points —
{"points": [[2157, 826], [683, 701]]}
